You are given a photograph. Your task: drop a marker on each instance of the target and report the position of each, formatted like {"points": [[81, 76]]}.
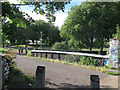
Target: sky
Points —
{"points": [[60, 16]]}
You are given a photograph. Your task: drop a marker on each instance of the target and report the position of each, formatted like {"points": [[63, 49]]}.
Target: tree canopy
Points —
{"points": [[16, 27], [90, 24]]}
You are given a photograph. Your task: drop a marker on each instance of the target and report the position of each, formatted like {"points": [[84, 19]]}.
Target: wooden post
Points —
{"points": [[40, 77], [33, 54], [51, 55], [46, 55], [94, 81]]}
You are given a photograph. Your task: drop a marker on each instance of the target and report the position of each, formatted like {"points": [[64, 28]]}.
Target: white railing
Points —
{"points": [[70, 53]]}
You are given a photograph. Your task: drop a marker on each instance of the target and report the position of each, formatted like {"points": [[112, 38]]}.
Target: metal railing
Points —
{"points": [[61, 55]]}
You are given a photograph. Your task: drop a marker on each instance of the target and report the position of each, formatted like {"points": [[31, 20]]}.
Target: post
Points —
{"points": [[40, 77], [33, 54], [51, 55], [41, 39], [46, 55], [94, 81], [40, 54]]}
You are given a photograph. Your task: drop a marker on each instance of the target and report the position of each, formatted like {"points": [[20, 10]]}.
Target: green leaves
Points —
{"points": [[90, 21]]}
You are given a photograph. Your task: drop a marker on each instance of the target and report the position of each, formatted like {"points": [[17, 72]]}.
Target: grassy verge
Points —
{"points": [[77, 64], [29, 46], [95, 49], [112, 73], [18, 79]]}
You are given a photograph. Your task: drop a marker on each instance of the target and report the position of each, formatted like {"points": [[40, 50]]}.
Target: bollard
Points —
{"points": [[40, 55], [51, 55], [46, 55], [40, 77], [33, 54], [94, 81]]}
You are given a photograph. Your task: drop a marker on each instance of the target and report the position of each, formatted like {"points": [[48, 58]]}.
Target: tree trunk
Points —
{"points": [[91, 44], [101, 47], [33, 42], [36, 42]]}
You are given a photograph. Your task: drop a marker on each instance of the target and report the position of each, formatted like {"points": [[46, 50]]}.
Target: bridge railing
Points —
{"points": [[61, 55]]}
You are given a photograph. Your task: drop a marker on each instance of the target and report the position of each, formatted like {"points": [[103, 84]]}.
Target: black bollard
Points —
{"points": [[94, 81]]}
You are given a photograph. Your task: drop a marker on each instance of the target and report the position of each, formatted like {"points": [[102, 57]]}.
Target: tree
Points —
{"points": [[50, 33], [16, 22], [90, 23], [117, 35], [19, 22]]}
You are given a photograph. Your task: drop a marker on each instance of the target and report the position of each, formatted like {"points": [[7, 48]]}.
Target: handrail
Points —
{"points": [[72, 53]]}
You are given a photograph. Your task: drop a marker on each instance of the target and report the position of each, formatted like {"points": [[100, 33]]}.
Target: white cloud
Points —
{"points": [[14, 1], [36, 16], [60, 18]]}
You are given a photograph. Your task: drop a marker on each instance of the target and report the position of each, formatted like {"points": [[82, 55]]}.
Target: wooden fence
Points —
{"points": [[61, 55]]}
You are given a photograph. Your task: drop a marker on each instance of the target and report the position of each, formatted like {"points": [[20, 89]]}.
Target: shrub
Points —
{"points": [[29, 54], [72, 58], [60, 46], [82, 60]]}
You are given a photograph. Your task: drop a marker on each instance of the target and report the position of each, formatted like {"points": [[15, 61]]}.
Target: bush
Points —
{"points": [[72, 58], [60, 46], [82, 60], [29, 54]]}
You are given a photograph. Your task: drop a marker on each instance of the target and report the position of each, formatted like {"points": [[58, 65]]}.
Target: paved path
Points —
{"points": [[60, 75]]}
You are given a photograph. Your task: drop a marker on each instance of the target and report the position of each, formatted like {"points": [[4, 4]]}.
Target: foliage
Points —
{"points": [[90, 24], [78, 64], [17, 77], [12, 12], [50, 33], [2, 49], [30, 78], [60, 46], [15, 22], [117, 35], [112, 73], [82, 60], [29, 54], [48, 8], [11, 55], [72, 58]]}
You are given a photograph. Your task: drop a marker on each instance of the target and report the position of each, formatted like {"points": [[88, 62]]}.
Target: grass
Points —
{"points": [[92, 67], [96, 49], [18, 79], [112, 73], [50, 48], [32, 46], [101, 69]]}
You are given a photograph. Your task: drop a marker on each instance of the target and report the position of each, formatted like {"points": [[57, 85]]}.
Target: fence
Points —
{"points": [[4, 70], [61, 55]]}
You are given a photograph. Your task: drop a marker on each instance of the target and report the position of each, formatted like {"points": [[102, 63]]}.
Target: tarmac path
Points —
{"points": [[65, 76]]}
